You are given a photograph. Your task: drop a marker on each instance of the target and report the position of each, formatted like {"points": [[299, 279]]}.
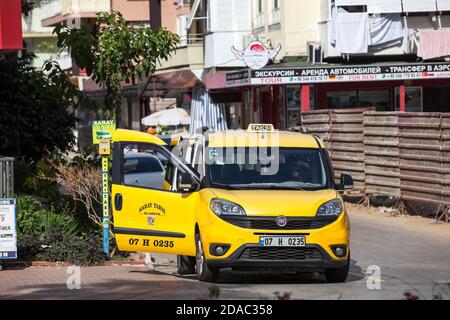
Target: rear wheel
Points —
{"points": [[185, 265], [204, 272], [337, 275]]}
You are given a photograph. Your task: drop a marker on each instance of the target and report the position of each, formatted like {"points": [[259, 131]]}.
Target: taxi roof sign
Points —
{"points": [[260, 127]]}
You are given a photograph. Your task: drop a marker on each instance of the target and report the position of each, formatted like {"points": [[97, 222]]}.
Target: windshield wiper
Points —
{"points": [[226, 186], [272, 187]]}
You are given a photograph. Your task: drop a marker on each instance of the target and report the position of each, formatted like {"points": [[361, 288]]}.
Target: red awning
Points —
{"points": [[10, 25]]}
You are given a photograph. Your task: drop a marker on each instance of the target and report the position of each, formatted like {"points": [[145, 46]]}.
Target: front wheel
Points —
{"points": [[338, 275], [185, 265], [204, 272]]}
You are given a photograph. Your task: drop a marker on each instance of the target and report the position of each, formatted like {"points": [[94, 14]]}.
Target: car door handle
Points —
{"points": [[118, 200]]}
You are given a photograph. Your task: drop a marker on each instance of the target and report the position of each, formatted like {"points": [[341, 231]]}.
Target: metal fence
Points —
{"points": [[6, 177], [400, 154]]}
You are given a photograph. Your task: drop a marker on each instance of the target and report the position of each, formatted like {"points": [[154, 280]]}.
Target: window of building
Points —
{"points": [[293, 97], [293, 104], [436, 99], [275, 13], [378, 99], [342, 99], [413, 99], [276, 4], [259, 19]]}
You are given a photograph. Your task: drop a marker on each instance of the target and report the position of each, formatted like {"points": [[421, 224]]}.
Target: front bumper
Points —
{"points": [[251, 256], [244, 250]]}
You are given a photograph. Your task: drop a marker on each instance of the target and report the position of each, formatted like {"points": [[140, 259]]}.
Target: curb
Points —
{"points": [[18, 264]]}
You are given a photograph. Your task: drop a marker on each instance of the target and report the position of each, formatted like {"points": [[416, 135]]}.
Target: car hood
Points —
{"points": [[277, 202]]}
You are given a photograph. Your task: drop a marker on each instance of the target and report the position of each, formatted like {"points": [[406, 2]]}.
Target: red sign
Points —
{"points": [[10, 25]]}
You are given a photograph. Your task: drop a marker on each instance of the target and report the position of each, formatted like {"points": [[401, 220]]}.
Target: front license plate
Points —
{"points": [[283, 241]]}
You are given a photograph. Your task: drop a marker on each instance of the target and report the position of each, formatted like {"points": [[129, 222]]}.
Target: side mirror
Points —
{"points": [[185, 182], [346, 182]]}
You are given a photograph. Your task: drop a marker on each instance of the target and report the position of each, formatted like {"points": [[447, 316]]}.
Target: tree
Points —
{"points": [[116, 53], [34, 108]]}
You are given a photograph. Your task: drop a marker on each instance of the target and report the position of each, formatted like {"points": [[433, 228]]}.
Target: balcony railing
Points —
{"points": [[80, 6], [50, 8], [193, 38]]}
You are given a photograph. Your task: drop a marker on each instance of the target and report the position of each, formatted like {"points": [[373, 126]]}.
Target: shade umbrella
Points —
{"points": [[168, 117]]}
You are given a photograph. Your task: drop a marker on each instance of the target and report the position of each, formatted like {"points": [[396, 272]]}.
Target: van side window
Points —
{"points": [[146, 166], [198, 159]]}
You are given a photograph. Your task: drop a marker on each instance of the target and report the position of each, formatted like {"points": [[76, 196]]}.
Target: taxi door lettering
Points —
{"points": [[152, 217]]}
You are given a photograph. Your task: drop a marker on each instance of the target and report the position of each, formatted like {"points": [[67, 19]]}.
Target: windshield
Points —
{"points": [[283, 168]]}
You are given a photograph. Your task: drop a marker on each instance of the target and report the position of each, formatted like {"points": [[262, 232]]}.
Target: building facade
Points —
{"points": [[387, 55]]}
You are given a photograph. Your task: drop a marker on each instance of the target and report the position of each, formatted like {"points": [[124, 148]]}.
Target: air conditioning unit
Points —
{"points": [[315, 53]]}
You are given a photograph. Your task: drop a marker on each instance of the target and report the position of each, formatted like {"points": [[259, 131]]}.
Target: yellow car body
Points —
{"points": [[172, 220]]}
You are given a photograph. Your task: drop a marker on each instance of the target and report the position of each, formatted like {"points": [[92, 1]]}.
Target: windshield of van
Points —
{"points": [[276, 168]]}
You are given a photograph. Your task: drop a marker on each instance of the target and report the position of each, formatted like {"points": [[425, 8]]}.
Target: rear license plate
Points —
{"points": [[282, 241]]}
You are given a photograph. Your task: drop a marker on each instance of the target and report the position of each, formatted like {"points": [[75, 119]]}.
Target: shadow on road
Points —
{"points": [[228, 276]]}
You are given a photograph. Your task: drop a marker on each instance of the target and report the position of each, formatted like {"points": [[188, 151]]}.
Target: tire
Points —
{"points": [[338, 275], [185, 265], [204, 272]]}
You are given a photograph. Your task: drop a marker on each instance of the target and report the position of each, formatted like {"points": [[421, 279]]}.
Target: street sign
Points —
{"points": [[8, 236], [102, 130], [104, 147], [105, 203]]}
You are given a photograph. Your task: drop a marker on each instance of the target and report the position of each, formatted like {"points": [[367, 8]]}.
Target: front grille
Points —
{"points": [[269, 223], [280, 253]]}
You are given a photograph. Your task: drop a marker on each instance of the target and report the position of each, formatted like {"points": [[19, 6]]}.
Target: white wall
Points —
{"points": [[230, 21]]}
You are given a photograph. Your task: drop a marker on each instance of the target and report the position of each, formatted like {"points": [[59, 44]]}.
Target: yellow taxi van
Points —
{"points": [[255, 199]]}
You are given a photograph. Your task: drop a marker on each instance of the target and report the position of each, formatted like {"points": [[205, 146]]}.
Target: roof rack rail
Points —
{"points": [[300, 129], [202, 130]]}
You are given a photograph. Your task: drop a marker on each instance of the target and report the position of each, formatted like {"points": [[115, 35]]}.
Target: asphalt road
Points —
{"points": [[409, 259]]}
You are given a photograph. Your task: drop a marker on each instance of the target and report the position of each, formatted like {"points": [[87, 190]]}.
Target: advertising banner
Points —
{"points": [[330, 74], [351, 73], [8, 237]]}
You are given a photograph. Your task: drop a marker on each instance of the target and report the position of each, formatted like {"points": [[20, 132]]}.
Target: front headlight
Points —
{"points": [[331, 208], [224, 207]]}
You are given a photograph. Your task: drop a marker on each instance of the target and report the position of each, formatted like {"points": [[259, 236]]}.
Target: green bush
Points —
{"points": [[49, 236], [56, 246], [28, 211]]}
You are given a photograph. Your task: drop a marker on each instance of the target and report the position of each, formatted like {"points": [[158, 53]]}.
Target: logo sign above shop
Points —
{"points": [[256, 55], [351, 73]]}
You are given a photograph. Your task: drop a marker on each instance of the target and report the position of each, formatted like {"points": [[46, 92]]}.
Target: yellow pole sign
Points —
{"points": [[104, 147], [102, 132], [105, 203]]}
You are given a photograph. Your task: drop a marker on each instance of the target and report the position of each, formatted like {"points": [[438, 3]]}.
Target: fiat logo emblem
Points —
{"points": [[281, 221]]}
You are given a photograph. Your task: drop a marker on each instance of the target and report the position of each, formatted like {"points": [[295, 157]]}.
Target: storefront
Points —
{"points": [[279, 95]]}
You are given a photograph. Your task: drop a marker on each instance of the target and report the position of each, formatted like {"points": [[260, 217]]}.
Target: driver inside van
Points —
{"points": [[301, 170]]}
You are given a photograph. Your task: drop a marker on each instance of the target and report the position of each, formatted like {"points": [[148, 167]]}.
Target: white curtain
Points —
{"points": [[206, 113]]}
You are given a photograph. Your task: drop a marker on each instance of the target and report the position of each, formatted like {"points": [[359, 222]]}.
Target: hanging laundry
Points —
{"points": [[385, 30], [410, 41], [333, 25], [352, 32], [433, 44]]}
